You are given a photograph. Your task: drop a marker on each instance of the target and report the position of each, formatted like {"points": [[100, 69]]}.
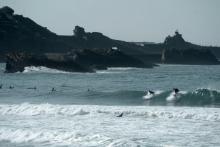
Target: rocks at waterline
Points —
{"points": [[75, 61]]}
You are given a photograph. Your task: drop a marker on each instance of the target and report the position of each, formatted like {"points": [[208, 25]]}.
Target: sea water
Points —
{"points": [[82, 109]]}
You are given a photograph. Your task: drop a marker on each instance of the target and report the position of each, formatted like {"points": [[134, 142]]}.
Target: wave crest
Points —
{"points": [[199, 97], [41, 69], [110, 111]]}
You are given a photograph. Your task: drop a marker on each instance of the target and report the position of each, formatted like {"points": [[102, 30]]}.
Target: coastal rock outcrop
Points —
{"points": [[190, 56], [178, 51], [175, 41], [21, 34], [75, 61], [16, 62], [79, 32]]}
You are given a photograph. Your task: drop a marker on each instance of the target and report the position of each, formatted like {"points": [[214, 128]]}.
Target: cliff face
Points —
{"points": [[16, 62], [18, 33], [178, 51], [21, 34], [190, 56]]}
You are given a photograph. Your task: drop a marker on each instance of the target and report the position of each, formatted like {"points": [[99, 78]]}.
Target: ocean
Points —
{"points": [[50, 108]]}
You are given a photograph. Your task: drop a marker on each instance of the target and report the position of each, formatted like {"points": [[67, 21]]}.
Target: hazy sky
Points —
{"points": [[130, 20]]}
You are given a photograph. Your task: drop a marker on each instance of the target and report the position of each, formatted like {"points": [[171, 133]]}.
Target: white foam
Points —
{"points": [[47, 137], [108, 111], [106, 72], [122, 143], [173, 96], [41, 69], [121, 68], [80, 112], [91, 125]]}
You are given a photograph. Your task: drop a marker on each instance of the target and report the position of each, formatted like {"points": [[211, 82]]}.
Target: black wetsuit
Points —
{"points": [[120, 115], [151, 92], [176, 90]]}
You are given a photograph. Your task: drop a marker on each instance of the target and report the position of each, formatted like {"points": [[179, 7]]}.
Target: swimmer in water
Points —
{"points": [[11, 87], [53, 89]]}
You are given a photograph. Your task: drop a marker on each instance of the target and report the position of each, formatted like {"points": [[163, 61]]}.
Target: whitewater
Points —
{"points": [[83, 108]]}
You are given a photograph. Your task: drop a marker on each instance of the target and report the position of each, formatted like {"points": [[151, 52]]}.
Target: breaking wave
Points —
{"points": [[149, 95], [27, 109], [49, 137], [41, 69], [79, 125], [198, 97], [121, 68]]}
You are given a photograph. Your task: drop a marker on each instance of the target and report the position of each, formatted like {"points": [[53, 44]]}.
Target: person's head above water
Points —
{"points": [[176, 90], [11, 87]]}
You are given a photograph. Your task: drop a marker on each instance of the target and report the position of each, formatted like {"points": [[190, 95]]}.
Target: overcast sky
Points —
{"points": [[130, 20]]}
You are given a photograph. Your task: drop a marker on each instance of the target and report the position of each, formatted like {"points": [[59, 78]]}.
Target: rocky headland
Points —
{"points": [[75, 61], [25, 43], [178, 51]]}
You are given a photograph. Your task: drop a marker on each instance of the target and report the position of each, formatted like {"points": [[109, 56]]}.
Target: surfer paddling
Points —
{"points": [[120, 115]]}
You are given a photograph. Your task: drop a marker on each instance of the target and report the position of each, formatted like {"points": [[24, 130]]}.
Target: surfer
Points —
{"points": [[150, 92], [176, 90], [120, 115], [1, 86]]}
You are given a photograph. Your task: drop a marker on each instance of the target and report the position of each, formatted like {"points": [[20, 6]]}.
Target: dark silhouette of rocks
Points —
{"points": [[7, 11], [175, 41], [190, 56], [22, 35], [16, 62], [84, 51], [79, 32], [178, 51], [75, 61]]}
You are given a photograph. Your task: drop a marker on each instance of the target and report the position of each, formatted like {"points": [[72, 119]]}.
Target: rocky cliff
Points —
{"points": [[178, 51], [21, 34]]}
